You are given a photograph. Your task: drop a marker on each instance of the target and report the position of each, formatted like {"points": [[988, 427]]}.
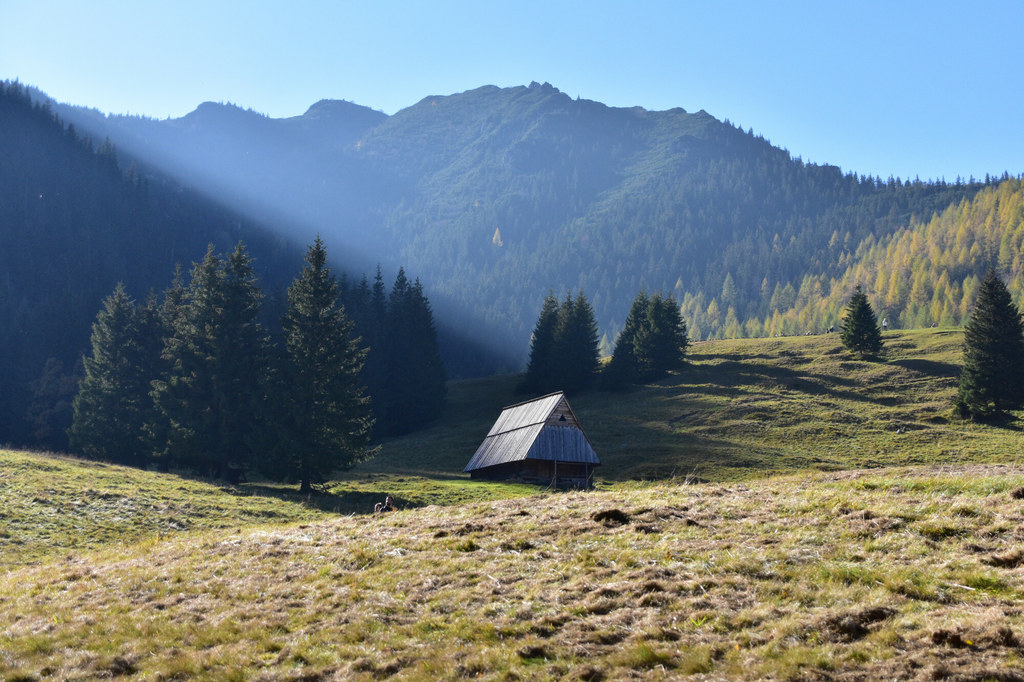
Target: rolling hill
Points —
{"points": [[885, 571]]}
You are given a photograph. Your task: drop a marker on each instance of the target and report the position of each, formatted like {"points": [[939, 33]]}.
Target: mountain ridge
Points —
{"points": [[585, 196]]}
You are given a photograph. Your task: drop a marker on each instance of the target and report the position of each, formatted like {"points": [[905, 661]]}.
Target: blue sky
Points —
{"points": [[929, 89]]}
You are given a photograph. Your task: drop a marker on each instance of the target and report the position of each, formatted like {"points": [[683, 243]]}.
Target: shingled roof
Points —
{"points": [[544, 429]]}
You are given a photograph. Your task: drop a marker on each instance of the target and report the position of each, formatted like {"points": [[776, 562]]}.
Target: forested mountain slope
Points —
{"points": [[72, 225], [924, 274], [496, 195]]}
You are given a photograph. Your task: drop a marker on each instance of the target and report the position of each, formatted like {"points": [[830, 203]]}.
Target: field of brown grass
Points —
{"points": [[816, 517], [898, 574]]}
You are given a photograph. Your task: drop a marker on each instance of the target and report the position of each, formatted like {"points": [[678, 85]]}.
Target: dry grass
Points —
{"points": [[908, 573]]}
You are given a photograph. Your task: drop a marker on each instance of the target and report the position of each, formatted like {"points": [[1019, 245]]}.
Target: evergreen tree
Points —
{"points": [[416, 377], [113, 404], [660, 343], [217, 359], [576, 345], [372, 327], [541, 366], [622, 369], [860, 332], [653, 341], [992, 378], [325, 422]]}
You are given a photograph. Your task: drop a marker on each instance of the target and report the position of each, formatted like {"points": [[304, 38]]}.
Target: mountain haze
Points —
{"points": [[72, 225], [495, 196]]}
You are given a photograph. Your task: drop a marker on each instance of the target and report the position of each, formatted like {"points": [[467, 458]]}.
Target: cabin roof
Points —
{"points": [[526, 431]]}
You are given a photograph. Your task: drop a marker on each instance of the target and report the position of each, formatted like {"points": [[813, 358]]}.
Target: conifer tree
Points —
{"points": [[325, 420], [576, 345], [660, 343], [992, 378], [622, 369], [541, 365], [217, 354], [653, 341], [860, 332], [373, 329], [113, 403], [416, 377]]}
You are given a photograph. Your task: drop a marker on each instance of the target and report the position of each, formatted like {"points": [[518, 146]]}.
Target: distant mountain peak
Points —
{"points": [[338, 106], [340, 111], [218, 111]]}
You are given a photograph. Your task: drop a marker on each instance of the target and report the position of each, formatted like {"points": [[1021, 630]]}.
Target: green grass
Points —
{"points": [[52, 505], [740, 410], [747, 408]]}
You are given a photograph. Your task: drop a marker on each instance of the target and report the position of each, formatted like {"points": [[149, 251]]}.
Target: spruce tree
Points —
{"points": [[653, 342], [325, 421], [539, 375], [113, 404], [212, 397], [660, 343], [416, 377], [622, 369], [860, 332], [576, 345], [992, 378]]}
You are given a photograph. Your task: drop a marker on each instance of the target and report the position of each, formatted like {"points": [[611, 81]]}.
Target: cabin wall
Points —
{"points": [[542, 472]]}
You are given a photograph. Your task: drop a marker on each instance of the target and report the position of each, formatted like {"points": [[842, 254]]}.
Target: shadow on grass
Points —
{"points": [[733, 378], [929, 367], [348, 502]]}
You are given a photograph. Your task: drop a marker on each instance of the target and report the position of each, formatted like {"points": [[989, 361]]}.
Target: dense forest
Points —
{"points": [[926, 273], [495, 196], [492, 198], [192, 380], [76, 219]]}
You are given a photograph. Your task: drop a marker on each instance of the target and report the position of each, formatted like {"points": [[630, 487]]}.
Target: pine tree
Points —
{"points": [[860, 332], [653, 341], [541, 366], [660, 343], [622, 369], [992, 378], [213, 395], [113, 403], [325, 423], [576, 342], [416, 377]]}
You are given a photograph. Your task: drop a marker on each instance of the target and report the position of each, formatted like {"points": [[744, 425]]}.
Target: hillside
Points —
{"points": [[746, 408], [923, 274], [851, 566], [74, 223], [494, 196], [891, 574]]}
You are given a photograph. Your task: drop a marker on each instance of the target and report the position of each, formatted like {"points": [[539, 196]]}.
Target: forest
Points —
{"points": [[490, 199], [76, 221], [496, 196]]}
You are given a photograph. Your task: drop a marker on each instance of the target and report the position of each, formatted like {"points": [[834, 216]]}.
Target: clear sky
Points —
{"points": [[902, 88]]}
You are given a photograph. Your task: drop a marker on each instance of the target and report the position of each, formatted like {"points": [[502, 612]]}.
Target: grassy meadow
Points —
{"points": [[744, 409], [814, 517]]}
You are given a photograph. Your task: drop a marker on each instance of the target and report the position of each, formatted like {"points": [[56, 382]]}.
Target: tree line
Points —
{"points": [[194, 380], [565, 353]]}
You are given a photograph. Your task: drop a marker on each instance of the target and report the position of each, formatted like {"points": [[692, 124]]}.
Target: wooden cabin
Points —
{"points": [[537, 441]]}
